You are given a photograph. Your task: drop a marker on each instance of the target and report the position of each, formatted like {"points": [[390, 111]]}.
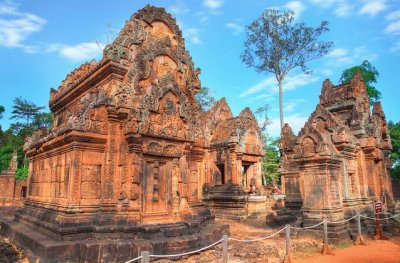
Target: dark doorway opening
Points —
{"points": [[245, 167], [221, 168], [23, 191]]}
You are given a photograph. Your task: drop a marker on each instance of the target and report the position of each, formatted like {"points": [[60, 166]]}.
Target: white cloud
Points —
{"points": [[338, 52], [373, 7], [179, 8], [292, 104], [343, 9], [394, 22], [393, 27], [341, 57], [270, 84], [296, 121], [297, 6], [393, 15], [16, 26], [338, 7], [236, 28], [203, 17], [193, 35], [79, 52], [326, 72], [213, 4]]}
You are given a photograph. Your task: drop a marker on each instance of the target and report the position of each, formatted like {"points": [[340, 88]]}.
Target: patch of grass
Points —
{"points": [[341, 245]]}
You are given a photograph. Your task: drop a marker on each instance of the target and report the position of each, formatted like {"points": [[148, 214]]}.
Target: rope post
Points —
{"points": [[225, 249], [360, 239], [145, 257], [287, 254], [326, 250]]}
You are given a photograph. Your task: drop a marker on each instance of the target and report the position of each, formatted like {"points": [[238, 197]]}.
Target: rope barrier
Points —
{"points": [[133, 260], [187, 253], [342, 221], [307, 227], [373, 218], [257, 239]]}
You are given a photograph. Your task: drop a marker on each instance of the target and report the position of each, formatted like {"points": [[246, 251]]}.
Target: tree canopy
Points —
{"points": [[205, 98], [1, 111], [394, 131], [369, 74], [27, 118], [274, 44], [270, 161]]}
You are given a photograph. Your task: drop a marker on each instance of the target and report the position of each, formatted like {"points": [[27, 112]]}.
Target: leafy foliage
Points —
{"points": [[369, 75], [205, 98], [22, 172], [1, 111], [274, 44], [25, 110], [28, 118], [394, 131], [270, 161]]}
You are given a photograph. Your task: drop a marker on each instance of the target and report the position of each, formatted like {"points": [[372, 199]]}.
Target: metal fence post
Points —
{"points": [[225, 249], [145, 257], [326, 250], [360, 239], [287, 254]]}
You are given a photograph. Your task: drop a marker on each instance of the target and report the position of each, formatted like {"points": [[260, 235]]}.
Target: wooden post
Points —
{"points": [[145, 257], [360, 239], [287, 254], [326, 250], [378, 230], [225, 249]]}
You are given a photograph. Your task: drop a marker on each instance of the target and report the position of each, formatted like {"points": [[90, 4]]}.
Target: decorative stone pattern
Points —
{"points": [[131, 150], [339, 161]]}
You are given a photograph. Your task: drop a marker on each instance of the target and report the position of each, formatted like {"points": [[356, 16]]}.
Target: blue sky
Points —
{"points": [[42, 41]]}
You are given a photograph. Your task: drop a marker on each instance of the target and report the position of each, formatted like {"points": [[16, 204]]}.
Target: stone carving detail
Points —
{"points": [[130, 141], [335, 155], [91, 181]]}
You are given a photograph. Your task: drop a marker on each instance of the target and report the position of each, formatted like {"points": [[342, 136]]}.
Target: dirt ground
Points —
{"points": [[270, 250], [376, 251]]}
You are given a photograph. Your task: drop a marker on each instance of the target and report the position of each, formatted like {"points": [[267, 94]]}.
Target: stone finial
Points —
{"points": [[13, 162], [247, 113], [377, 109], [326, 86]]}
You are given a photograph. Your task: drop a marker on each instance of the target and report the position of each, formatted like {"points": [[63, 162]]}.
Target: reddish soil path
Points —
{"points": [[379, 251]]}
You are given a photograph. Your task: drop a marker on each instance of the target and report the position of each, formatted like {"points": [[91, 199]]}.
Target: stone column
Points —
{"points": [[175, 187], [239, 167], [76, 178]]}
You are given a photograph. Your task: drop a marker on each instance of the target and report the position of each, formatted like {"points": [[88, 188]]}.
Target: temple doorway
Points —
{"points": [[221, 168], [157, 189]]}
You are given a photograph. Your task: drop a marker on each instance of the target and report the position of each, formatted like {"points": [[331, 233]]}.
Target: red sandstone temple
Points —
{"points": [[339, 162], [12, 190], [131, 153]]}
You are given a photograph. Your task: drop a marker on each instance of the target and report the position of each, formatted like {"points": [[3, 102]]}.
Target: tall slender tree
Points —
{"points": [[276, 45]]}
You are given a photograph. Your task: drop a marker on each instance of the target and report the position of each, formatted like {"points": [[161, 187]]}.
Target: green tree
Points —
{"points": [[394, 131], [369, 75], [275, 45], [28, 117], [25, 110], [270, 161], [43, 119], [1, 117], [1, 111], [205, 98]]}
